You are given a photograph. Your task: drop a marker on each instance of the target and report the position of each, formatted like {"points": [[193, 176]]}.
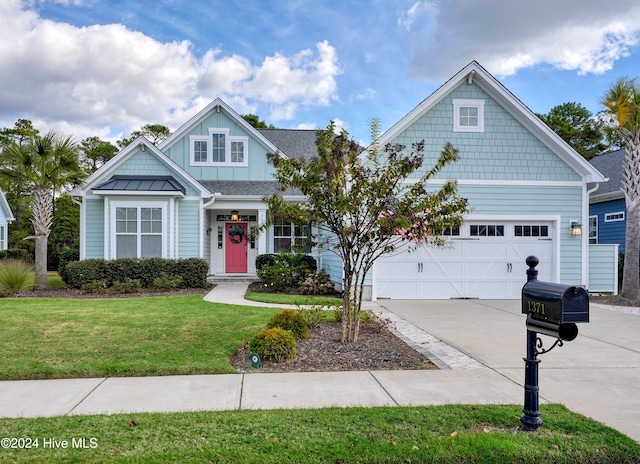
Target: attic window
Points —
{"points": [[218, 149], [468, 115]]}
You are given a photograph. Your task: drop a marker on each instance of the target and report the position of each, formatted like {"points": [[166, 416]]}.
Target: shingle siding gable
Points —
{"points": [[506, 150]]}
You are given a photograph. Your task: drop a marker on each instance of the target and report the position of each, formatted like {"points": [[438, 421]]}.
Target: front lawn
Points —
{"points": [[43, 338], [443, 434], [293, 299]]}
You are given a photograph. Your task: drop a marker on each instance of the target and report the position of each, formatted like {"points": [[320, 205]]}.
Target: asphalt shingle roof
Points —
{"points": [[609, 164], [294, 143], [245, 187]]}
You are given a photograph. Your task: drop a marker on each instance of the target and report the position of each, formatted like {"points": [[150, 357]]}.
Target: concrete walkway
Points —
{"points": [[478, 345]]}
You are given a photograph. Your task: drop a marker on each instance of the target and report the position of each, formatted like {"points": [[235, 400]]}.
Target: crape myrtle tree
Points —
{"points": [[622, 100], [365, 204]]}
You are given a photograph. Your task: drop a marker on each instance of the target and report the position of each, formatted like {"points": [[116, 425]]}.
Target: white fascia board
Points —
{"points": [[105, 170], [203, 113]]}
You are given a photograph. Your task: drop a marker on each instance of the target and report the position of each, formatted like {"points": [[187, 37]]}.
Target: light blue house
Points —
{"points": [[200, 192], [6, 217], [527, 192]]}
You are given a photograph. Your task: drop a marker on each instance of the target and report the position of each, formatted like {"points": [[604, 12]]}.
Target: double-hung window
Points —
{"points": [[468, 115], [138, 231], [219, 148]]}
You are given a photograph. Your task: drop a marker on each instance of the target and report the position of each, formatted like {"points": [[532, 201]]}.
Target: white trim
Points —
{"points": [[216, 106], [131, 204], [505, 182], [621, 217], [104, 193], [459, 103]]}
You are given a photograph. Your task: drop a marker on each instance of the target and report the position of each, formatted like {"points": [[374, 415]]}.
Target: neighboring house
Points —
{"points": [[6, 217], [200, 192], [607, 208]]}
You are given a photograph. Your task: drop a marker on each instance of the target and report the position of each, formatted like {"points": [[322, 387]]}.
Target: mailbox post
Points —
{"points": [[552, 309]]}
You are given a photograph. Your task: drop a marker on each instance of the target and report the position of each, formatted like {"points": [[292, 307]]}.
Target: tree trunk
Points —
{"points": [[41, 262], [42, 210], [631, 189]]}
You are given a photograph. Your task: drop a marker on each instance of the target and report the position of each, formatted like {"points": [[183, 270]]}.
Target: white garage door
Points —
{"points": [[484, 260]]}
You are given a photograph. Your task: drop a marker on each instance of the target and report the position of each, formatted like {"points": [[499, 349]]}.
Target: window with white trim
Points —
{"points": [[614, 217], [288, 237], [593, 229], [138, 231], [468, 115], [3, 243], [218, 149]]}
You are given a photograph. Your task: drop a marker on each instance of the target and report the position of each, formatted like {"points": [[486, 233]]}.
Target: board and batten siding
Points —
{"points": [[257, 168]]}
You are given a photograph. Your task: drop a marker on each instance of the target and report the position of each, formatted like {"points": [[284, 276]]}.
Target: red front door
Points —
{"points": [[236, 247]]}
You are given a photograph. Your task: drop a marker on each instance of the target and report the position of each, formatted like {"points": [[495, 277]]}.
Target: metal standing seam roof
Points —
{"points": [[142, 184]]}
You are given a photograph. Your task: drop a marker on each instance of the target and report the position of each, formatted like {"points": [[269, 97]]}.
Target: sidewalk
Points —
{"points": [[478, 346], [39, 398]]}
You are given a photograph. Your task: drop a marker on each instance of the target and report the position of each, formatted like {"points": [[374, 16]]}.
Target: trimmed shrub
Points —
{"points": [[86, 271], [275, 345], [290, 320], [16, 254], [127, 286], [167, 282], [266, 259], [193, 271], [317, 283], [96, 286], [15, 276], [66, 257]]}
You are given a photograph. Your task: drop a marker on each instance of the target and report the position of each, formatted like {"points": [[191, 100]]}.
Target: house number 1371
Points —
{"points": [[536, 307]]}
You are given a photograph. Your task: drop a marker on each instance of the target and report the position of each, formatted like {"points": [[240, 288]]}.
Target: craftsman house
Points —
{"points": [[199, 194]]}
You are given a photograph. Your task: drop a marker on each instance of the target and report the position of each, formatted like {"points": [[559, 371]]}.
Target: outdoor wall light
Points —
{"points": [[234, 215], [576, 228]]}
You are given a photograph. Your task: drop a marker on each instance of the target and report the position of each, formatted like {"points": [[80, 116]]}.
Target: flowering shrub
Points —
{"points": [[318, 283]]}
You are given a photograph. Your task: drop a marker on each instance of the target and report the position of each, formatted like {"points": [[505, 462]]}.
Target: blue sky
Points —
{"points": [[107, 67]]}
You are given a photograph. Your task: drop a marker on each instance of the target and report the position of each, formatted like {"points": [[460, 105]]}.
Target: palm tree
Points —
{"points": [[47, 164], [622, 100]]}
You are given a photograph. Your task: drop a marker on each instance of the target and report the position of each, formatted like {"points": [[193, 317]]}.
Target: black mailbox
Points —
{"points": [[555, 303]]}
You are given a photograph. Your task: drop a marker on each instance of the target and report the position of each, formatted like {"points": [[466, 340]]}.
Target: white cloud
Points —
{"points": [[505, 36], [88, 78]]}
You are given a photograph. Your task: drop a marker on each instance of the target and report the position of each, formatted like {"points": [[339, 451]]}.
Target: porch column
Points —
{"points": [[262, 238]]}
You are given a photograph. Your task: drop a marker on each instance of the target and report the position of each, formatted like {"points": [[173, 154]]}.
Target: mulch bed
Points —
{"points": [[377, 348], [63, 292]]}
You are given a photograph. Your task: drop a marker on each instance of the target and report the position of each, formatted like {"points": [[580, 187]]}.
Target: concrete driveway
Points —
{"points": [[597, 374]]}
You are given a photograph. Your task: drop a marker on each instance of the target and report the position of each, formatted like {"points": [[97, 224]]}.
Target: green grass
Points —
{"points": [[443, 434], [54, 280], [64, 338], [285, 298]]}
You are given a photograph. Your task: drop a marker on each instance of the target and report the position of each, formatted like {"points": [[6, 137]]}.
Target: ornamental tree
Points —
{"points": [[365, 204]]}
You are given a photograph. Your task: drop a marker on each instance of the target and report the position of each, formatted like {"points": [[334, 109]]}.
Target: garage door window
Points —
{"points": [[531, 231], [486, 230]]}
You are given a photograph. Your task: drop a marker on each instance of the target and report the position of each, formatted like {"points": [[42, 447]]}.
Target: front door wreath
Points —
{"points": [[236, 234]]}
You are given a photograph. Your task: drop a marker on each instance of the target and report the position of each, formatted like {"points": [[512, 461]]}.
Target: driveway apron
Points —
{"points": [[597, 374]]}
